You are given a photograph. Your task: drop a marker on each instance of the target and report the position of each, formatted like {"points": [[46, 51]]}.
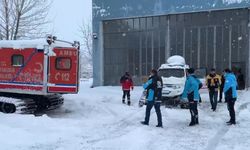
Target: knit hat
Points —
{"points": [[227, 70], [191, 70], [154, 71]]}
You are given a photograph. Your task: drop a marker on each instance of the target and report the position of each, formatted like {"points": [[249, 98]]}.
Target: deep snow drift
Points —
{"points": [[95, 119]]}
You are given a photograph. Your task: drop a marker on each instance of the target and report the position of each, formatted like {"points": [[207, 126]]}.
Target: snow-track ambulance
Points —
{"points": [[34, 74]]}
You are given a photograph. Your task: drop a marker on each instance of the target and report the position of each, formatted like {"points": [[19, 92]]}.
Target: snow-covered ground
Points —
{"points": [[95, 119]]}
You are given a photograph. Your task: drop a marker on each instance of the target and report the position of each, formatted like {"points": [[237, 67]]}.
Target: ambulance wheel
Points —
{"points": [[8, 108]]}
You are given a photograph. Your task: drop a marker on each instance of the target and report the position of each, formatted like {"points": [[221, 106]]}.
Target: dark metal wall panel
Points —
{"points": [[216, 39], [219, 48], [111, 9]]}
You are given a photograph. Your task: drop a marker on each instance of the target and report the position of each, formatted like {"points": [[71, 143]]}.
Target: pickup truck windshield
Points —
{"points": [[179, 73]]}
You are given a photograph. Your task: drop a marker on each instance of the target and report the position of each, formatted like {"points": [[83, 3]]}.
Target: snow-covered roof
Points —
{"points": [[38, 43], [115, 9]]}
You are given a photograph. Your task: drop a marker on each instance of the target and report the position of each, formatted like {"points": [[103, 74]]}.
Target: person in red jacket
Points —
{"points": [[127, 84]]}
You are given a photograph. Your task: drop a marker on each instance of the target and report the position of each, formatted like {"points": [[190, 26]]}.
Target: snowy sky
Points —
{"points": [[66, 17]]}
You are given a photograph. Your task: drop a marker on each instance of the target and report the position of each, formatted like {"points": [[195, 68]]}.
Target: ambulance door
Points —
{"points": [[63, 71]]}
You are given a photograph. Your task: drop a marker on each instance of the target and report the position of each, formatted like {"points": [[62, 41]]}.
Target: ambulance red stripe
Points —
{"points": [[21, 87], [62, 89]]}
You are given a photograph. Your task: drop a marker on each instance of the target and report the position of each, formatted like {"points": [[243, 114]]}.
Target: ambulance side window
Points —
{"points": [[63, 63], [17, 60]]}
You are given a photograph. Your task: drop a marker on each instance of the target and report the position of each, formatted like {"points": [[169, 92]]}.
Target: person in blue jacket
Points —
{"points": [[230, 91], [191, 94], [153, 87]]}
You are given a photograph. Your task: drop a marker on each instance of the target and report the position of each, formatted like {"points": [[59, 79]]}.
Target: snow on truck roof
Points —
{"points": [[175, 62], [173, 66], [176, 59], [37, 43]]}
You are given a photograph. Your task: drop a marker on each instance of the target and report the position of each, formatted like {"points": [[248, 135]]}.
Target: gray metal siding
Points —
{"points": [[108, 9], [216, 39]]}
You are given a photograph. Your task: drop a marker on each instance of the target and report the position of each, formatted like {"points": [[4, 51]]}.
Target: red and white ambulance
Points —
{"points": [[34, 73]]}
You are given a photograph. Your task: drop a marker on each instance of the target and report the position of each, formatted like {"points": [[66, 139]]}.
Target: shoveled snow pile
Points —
{"points": [[95, 119]]}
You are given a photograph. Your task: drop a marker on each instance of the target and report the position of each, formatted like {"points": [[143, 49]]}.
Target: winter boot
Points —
{"points": [[129, 103], [231, 123], [123, 101], [144, 123], [191, 123], [197, 120], [159, 126]]}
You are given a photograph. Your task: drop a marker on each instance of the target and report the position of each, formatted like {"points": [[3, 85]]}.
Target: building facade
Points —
{"points": [[137, 36]]}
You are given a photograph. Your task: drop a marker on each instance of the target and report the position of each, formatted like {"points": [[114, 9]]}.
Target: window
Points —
{"points": [[136, 24], [167, 73], [142, 23], [17, 60], [63, 63]]}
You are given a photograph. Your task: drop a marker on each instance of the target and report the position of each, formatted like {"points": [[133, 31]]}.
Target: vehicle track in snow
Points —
{"points": [[215, 140], [121, 126], [118, 128], [126, 125]]}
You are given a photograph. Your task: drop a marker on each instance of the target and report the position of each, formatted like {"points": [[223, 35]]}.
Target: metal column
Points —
{"points": [[199, 47], [167, 53], [214, 43], [230, 47]]}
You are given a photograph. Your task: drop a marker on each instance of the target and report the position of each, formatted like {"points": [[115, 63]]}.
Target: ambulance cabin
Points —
{"points": [[39, 67]]}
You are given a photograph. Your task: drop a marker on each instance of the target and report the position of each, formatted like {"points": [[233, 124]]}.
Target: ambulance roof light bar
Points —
{"points": [[51, 39]]}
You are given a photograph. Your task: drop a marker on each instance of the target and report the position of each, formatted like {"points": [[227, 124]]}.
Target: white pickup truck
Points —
{"points": [[173, 75]]}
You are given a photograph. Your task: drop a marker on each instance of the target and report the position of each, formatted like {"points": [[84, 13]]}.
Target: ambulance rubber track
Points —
{"points": [[14, 105], [31, 105], [55, 101]]}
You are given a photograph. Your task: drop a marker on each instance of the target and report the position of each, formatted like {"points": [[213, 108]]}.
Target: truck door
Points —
{"points": [[63, 71]]}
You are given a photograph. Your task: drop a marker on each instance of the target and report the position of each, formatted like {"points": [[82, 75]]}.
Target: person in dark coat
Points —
{"points": [[127, 84], [240, 80], [213, 83], [221, 88], [230, 91], [192, 95], [153, 87]]}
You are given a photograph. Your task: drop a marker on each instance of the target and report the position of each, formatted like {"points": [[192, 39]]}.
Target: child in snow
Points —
{"points": [[191, 93], [127, 84]]}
